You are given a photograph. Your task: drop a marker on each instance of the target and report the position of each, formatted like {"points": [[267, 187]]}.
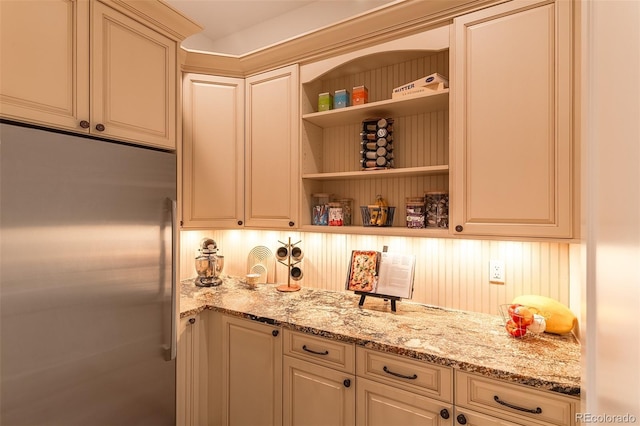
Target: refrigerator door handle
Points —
{"points": [[174, 280]]}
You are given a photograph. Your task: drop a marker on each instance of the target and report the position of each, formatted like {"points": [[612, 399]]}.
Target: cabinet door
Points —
{"points": [[511, 121], [213, 151], [315, 395], [133, 80], [252, 365], [191, 372], [185, 372], [45, 62], [272, 162], [382, 405]]}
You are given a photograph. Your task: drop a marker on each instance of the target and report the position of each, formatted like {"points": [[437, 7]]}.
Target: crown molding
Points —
{"points": [[398, 20], [161, 15]]}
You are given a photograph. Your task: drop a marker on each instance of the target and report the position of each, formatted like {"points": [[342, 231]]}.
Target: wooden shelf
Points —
{"points": [[399, 231], [398, 107], [402, 172]]}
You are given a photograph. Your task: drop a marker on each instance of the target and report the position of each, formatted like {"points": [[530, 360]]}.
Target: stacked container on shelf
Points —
{"points": [[377, 144]]}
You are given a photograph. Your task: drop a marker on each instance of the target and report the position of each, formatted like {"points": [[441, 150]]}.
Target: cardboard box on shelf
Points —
{"points": [[434, 79]]}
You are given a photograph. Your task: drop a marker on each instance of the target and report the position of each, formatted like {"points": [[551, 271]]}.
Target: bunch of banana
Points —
{"points": [[378, 212]]}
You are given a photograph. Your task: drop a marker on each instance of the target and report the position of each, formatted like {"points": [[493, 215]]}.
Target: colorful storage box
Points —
{"points": [[325, 101], [359, 95], [341, 99]]}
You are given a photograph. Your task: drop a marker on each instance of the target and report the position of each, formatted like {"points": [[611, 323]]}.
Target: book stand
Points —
{"points": [[363, 296]]}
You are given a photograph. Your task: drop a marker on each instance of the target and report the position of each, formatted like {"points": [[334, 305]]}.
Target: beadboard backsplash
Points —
{"points": [[450, 273]]}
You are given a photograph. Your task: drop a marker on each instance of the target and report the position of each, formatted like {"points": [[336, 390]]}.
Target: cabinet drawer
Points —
{"points": [[432, 380], [472, 418], [513, 402], [330, 353]]}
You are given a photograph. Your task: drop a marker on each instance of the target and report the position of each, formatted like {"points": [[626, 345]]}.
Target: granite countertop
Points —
{"points": [[468, 341]]}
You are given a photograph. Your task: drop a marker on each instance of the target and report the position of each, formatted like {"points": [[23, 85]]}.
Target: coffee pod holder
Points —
{"points": [[290, 256]]}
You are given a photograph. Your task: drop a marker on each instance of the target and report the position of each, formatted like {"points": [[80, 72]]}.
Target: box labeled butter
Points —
{"points": [[341, 99], [325, 101], [359, 95]]}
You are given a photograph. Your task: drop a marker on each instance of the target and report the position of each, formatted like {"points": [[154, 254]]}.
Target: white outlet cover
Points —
{"points": [[496, 271]]}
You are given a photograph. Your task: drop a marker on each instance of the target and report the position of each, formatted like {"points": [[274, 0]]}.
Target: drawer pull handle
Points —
{"points": [[402, 376], [537, 410], [304, 347]]}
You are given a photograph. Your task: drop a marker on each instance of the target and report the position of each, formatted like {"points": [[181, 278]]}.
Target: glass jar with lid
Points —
{"points": [[437, 209], [415, 212]]}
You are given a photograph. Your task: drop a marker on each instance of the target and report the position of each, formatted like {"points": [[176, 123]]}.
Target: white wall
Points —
{"points": [[611, 207]]}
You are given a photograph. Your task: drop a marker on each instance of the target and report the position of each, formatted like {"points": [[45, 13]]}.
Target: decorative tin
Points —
{"points": [[325, 101], [360, 95], [341, 99]]}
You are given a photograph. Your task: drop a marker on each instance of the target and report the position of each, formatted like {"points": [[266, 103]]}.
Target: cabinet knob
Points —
{"points": [[192, 320], [291, 224], [84, 124], [240, 223], [461, 419], [444, 413], [347, 383], [100, 127], [275, 333], [459, 228]]}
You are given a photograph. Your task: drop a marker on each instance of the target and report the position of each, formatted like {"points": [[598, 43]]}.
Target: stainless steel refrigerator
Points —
{"points": [[87, 291]]}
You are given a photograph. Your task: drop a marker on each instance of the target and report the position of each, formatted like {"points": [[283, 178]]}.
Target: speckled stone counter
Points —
{"points": [[468, 341]]}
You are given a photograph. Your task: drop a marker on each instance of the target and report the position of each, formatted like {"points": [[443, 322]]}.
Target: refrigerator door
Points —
{"points": [[85, 281]]}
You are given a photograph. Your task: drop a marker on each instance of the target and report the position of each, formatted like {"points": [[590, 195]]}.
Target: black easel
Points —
{"points": [[363, 295]]}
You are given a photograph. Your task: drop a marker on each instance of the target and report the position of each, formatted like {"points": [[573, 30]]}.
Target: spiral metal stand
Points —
{"points": [[289, 287]]}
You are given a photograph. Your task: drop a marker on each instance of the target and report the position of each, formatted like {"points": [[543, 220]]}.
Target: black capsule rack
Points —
{"points": [[377, 144]]}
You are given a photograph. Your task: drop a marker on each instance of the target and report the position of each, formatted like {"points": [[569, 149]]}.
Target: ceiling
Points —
{"points": [[238, 27]]}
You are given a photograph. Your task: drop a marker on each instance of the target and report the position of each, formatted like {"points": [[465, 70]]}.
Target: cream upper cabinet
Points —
{"points": [[511, 137], [86, 67], [133, 80], [331, 141], [44, 72], [252, 373], [272, 147], [213, 151]]}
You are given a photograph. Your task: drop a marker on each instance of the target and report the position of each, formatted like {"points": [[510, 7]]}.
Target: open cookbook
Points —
{"points": [[381, 273]]}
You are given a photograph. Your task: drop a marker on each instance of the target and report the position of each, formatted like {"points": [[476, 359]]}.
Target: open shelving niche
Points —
{"points": [[330, 140]]}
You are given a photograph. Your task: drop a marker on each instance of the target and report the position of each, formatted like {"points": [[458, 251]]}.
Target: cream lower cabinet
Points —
{"points": [[89, 68], [319, 385], [397, 390], [472, 418], [252, 373], [213, 151], [272, 146], [511, 83], [510, 404], [192, 365]]}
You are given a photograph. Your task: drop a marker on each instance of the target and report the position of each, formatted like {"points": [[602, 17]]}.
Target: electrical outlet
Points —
{"points": [[496, 271]]}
